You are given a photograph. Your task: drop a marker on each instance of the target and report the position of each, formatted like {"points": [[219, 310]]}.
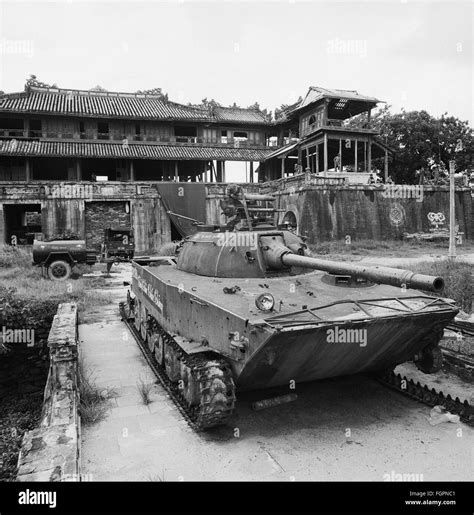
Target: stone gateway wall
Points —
{"points": [[325, 213], [324, 210], [51, 452]]}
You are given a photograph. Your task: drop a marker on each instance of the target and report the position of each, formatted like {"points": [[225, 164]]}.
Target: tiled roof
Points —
{"points": [[130, 151], [316, 93], [119, 105]]}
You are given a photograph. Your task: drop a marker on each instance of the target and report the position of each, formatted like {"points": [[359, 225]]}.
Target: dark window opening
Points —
{"points": [[138, 132], [240, 134], [185, 134], [102, 130], [82, 130], [11, 127], [224, 133], [312, 119], [22, 223], [35, 129]]}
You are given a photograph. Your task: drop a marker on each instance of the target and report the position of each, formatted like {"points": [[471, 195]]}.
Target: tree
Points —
{"points": [[33, 81], [158, 92], [420, 140], [98, 88]]}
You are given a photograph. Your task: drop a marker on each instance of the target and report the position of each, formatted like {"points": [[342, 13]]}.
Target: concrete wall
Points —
{"points": [[151, 225], [62, 214], [102, 214], [325, 213], [52, 451], [88, 208]]}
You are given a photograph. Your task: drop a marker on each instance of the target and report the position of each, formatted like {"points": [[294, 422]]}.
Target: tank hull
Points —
{"points": [[308, 354], [337, 331]]}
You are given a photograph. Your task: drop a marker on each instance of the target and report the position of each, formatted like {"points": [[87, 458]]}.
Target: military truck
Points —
{"points": [[58, 257]]}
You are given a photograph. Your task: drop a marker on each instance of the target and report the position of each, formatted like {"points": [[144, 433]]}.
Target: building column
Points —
{"points": [[131, 171], [355, 157], [369, 155], [219, 171], [386, 167], [282, 167], [365, 157], [28, 171], [340, 154], [176, 172], [78, 170], [317, 157], [325, 154], [223, 171], [251, 171]]}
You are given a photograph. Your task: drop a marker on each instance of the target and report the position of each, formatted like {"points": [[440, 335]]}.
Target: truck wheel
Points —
{"points": [[59, 270]]}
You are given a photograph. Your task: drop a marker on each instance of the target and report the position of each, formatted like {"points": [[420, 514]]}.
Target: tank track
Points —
{"points": [[213, 375], [429, 397]]}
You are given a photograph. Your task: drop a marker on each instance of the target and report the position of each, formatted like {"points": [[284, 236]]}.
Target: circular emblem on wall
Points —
{"points": [[397, 215]]}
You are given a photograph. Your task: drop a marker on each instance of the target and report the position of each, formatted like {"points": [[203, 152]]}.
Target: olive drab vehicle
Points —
{"points": [[242, 307], [58, 257]]}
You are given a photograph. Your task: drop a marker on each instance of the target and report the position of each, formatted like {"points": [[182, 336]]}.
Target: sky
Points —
{"points": [[415, 55]]}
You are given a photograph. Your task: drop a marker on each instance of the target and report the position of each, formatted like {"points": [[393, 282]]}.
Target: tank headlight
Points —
{"points": [[265, 302]]}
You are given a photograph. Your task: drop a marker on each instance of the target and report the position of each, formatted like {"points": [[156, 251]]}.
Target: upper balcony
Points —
{"points": [[47, 135], [362, 126]]}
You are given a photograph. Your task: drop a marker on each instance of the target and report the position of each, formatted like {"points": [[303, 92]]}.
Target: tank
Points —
{"points": [[243, 307]]}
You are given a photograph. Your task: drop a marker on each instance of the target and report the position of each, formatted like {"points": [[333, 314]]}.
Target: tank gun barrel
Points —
{"points": [[279, 256], [377, 274], [251, 197], [194, 221]]}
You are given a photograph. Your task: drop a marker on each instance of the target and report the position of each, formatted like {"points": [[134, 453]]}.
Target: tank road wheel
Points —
{"points": [[172, 364], [429, 360], [128, 307], [59, 270], [136, 314], [143, 323], [189, 385], [159, 348]]}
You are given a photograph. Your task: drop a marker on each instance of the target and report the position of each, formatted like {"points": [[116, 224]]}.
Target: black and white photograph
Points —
{"points": [[236, 255]]}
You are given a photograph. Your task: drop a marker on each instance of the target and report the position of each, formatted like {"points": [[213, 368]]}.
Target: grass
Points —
{"points": [[144, 389], [15, 256], [361, 247], [18, 415], [18, 273], [458, 281], [456, 274], [93, 405], [157, 477]]}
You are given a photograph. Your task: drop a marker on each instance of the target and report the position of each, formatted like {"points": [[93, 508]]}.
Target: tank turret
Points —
{"points": [[250, 245]]}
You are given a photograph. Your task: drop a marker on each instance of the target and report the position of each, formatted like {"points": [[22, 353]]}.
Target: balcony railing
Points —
{"points": [[136, 138], [13, 133], [333, 122]]}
